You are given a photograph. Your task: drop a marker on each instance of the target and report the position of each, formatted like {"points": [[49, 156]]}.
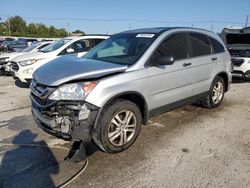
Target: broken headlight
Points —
{"points": [[75, 91]]}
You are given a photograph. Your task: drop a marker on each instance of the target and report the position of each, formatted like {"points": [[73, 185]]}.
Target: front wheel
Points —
{"points": [[216, 93], [119, 126]]}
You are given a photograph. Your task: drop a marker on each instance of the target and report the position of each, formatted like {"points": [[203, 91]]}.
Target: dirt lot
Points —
{"points": [[188, 147]]}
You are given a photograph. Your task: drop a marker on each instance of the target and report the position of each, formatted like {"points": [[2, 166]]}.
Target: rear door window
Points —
{"points": [[200, 45]]}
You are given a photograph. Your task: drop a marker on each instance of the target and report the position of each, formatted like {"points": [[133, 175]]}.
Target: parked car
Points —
{"points": [[28, 41], [238, 43], [24, 66], [5, 59], [12, 46], [1, 41], [118, 85]]}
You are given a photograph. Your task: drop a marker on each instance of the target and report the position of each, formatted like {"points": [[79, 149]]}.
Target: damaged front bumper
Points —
{"points": [[69, 120]]}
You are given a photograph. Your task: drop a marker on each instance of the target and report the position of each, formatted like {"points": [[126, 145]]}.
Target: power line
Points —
{"points": [[125, 20]]}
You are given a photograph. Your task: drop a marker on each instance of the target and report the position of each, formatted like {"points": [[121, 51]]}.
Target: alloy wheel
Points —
{"points": [[218, 91], [122, 128]]}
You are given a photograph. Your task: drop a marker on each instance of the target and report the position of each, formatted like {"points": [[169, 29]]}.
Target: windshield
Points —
{"points": [[238, 38], [122, 48], [55, 45], [30, 48]]}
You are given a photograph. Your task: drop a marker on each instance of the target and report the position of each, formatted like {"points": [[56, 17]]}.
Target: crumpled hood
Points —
{"points": [[68, 68], [31, 55]]}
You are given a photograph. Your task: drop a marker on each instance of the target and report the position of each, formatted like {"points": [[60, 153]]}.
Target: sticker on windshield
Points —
{"points": [[145, 35]]}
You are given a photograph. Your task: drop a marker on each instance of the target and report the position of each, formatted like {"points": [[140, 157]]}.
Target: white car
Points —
{"points": [[5, 59], [23, 66], [238, 44]]}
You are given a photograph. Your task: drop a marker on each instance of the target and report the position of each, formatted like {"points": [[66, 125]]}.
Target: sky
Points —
{"points": [[112, 16]]}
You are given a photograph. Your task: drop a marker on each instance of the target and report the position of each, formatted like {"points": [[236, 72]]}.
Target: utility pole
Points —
{"points": [[68, 28], [9, 27], [246, 21], [212, 25], [129, 26]]}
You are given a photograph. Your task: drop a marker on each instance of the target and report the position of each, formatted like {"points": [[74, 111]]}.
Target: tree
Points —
{"points": [[52, 31], [61, 33], [17, 25], [78, 31], [2, 28], [19, 28], [43, 31], [32, 30]]}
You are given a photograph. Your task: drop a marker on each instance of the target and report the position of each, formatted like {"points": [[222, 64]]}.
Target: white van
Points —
{"points": [[23, 66]]}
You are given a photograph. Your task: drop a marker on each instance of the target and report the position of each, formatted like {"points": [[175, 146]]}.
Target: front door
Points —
{"points": [[169, 84]]}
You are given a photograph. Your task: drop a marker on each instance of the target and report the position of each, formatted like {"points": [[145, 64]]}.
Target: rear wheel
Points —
{"points": [[119, 126], [216, 93]]}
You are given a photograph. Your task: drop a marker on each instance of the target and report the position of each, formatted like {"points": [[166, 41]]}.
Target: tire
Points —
{"points": [[216, 93], [112, 134], [2, 72]]}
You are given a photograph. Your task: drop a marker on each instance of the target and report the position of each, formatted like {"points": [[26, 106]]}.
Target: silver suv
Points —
{"points": [[117, 86]]}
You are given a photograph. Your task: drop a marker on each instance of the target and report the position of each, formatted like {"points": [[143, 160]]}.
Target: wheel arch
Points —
{"points": [[132, 96], [224, 76]]}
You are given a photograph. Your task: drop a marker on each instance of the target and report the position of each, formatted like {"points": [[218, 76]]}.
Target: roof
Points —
{"points": [[159, 30], [154, 30]]}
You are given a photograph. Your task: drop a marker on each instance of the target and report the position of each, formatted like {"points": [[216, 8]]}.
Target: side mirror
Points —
{"points": [[70, 50], [164, 60]]}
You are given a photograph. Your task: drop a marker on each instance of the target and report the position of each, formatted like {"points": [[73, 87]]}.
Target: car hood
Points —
{"points": [[11, 55], [69, 68], [31, 55], [236, 38], [239, 46]]}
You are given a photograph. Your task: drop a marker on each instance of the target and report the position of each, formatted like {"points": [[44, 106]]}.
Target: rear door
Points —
{"points": [[203, 62], [170, 83]]}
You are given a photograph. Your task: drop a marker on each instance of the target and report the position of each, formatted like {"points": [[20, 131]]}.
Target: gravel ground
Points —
{"points": [[187, 147]]}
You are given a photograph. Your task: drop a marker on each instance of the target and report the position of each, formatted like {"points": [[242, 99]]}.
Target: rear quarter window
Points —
{"points": [[217, 46], [200, 45]]}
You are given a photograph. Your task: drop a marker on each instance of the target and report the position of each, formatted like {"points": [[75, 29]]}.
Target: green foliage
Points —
{"points": [[18, 27], [78, 31]]}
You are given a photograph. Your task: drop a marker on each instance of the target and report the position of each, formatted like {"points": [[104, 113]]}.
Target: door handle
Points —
{"points": [[186, 64], [214, 58]]}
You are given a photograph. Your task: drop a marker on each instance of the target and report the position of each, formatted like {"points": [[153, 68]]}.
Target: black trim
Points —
{"points": [[227, 81], [237, 72], [145, 109], [174, 105], [28, 80]]}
